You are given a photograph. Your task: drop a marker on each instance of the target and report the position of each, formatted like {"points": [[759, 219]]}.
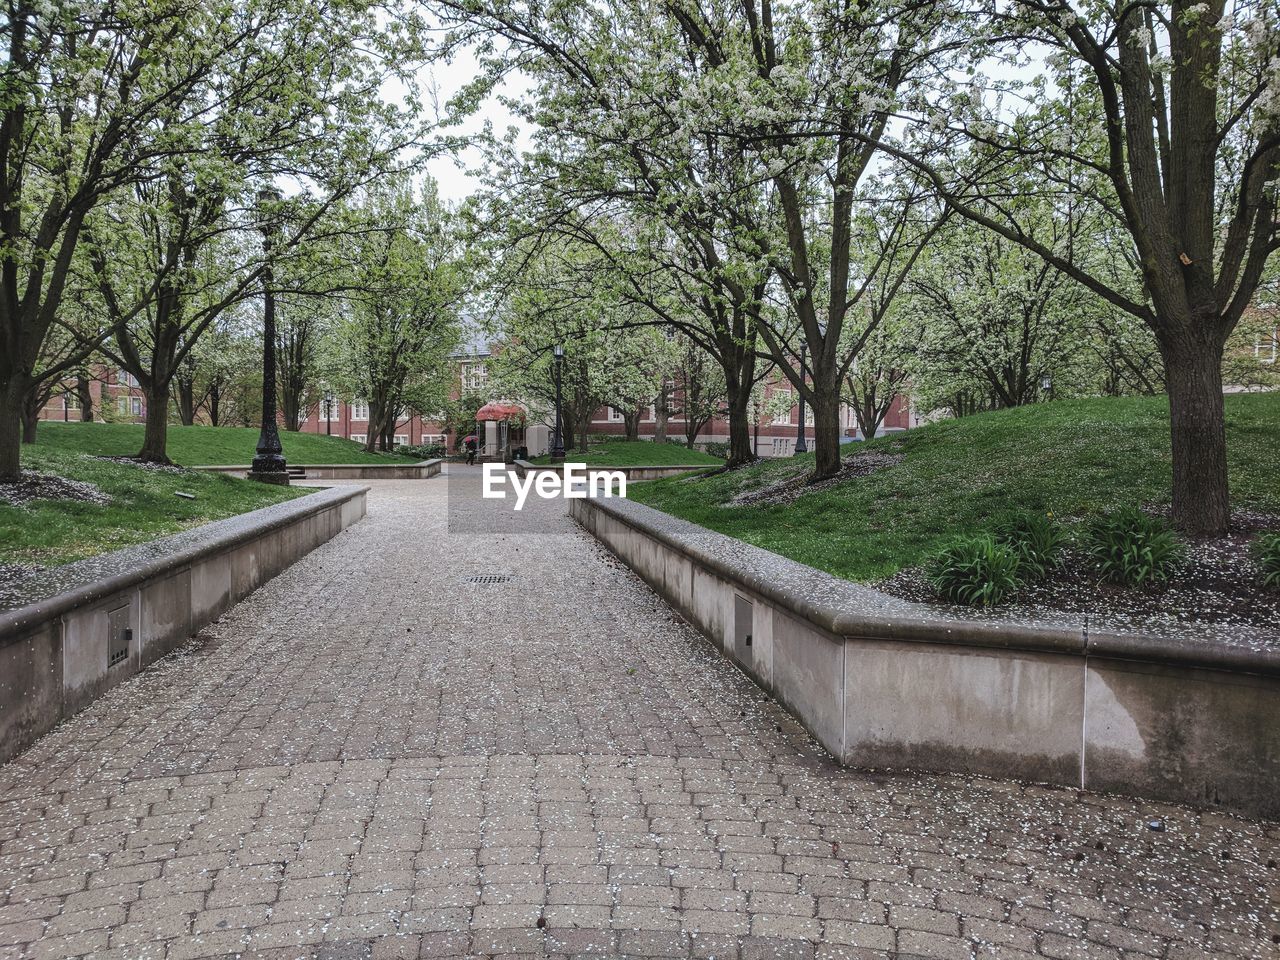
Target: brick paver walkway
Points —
{"points": [[371, 757]]}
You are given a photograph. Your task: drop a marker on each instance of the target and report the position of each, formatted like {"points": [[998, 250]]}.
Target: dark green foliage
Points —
{"points": [[1267, 553], [1128, 546], [426, 451], [1037, 540], [976, 571]]}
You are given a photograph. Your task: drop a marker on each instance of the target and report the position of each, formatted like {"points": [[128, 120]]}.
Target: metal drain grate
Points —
{"points": [[488, 578]]}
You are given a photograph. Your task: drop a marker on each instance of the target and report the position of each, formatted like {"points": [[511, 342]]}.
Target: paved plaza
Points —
{"points": [[374, 756]]}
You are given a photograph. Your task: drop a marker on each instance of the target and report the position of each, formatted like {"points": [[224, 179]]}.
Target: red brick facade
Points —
{"points": [[772, 438]]}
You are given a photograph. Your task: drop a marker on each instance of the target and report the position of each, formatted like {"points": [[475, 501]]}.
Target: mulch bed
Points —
{"points": [[46, 486], [146, 464], [1218, 585], [861, 464]]}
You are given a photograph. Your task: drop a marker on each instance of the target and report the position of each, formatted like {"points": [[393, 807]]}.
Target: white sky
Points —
{"points": [[453, 174]]}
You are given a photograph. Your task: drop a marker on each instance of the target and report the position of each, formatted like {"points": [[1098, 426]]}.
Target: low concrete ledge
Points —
{"points": [[656, 472], [56, 647], [886, 683], [349, 471]]}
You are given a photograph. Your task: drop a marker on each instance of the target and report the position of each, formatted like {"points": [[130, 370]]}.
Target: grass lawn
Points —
{"points": [[143, 506], [203, 446], [637, 453], [1071, 458]]}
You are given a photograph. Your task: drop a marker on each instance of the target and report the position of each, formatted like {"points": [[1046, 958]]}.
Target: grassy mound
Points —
{"points": [[925, 486], [203, 446], [637, 453], [143, 505]]}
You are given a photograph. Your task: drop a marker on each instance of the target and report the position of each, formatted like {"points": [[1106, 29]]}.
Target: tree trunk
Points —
{"points": [[631, 423], [30, 420], [661, 411], [1193, 374], [826, 431], [186, 401], [156, 434], [584, 425], [85, 398], [215, 396], [11, 428], [740, 448]]}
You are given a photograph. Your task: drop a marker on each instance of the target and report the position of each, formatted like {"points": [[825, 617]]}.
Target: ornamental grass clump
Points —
{"points": [[977, 571], [1038, 542], [1129, 547], [1267, 552]]}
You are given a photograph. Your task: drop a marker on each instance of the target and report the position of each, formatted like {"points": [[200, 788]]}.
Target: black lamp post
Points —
{"points": [[269, 464], [557, 439], [801, 445], [328, 412]]}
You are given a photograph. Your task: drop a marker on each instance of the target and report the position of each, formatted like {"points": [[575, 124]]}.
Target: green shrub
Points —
{"points": [[1037, 540], [1267, 552], [1129, 547], [976, 571], [716, 449], [426, 451]]}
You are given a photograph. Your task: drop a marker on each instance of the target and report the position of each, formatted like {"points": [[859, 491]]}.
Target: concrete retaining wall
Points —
{"points": [[54, 651], [350, 471], [894, 685], [524, 467]]}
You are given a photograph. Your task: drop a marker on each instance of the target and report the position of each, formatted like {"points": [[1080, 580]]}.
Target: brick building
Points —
{"points": [[775, 437], [113, 394]]}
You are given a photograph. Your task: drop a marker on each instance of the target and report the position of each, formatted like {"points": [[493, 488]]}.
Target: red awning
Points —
{"points": [[500, 411]]}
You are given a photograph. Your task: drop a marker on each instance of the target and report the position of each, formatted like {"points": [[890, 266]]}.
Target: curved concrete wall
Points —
{"points": [[350, 471], [55, 650], [894, 685]]}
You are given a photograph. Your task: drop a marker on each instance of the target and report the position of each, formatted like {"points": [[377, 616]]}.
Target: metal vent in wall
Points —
{"points": [[118, 635], [488, 578]]}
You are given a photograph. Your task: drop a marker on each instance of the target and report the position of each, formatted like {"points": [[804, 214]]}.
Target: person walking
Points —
{"points": [[470, 444]]}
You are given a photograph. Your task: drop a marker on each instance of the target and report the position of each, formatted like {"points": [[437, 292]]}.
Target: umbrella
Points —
{"points": [[469, 437]]}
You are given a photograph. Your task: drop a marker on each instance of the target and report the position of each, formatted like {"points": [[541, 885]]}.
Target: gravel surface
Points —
{"points": [[374, 756]]}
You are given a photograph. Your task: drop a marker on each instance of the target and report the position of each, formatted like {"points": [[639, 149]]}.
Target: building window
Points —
{"points": [[781, 447], [474, 375], [329, 409], [359, 410], [1265, 349], [126, 379], [433, 438], [614, 415], [401, 440], [70, 401], [129, 405], [784, 418], [358, 438]]}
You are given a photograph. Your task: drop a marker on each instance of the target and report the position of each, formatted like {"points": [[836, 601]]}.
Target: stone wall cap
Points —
{"points": [[54, 591], [855, 610]]}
